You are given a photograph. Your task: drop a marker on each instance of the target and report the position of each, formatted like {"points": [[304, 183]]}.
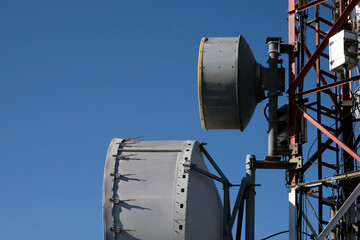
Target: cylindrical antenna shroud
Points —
{"points": [[229, 83], [151, 193]]}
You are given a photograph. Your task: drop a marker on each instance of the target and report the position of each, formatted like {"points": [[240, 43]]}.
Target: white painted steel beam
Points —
{"points": [[347, 204], [292, 213]]}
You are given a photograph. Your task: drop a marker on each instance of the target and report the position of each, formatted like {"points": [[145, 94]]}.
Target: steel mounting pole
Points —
{"points": [[250, 198], [274, 52]]}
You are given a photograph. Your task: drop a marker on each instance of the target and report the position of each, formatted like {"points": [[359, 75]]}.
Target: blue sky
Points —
{"points": [[75, 74]]}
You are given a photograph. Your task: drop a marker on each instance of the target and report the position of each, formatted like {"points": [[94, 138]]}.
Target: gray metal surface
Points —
{"points": [[274, 52], [151, 193], [229, 83]]}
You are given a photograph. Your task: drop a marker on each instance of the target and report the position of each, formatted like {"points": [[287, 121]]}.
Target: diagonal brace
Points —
{"points": [[239, 200], [322, 46], [326, 132], [347, 204]]}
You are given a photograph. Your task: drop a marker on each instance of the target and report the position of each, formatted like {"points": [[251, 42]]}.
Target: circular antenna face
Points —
{"points": [[228, 82], [151, 193]]}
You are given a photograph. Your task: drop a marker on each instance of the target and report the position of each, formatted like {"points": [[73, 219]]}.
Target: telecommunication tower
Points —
{"points": [[321, 90]]}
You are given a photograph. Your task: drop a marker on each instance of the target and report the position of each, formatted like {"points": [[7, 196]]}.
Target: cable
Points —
{"points": [[308, 154], [310, 235], [312, 144], [267, 118], [274, 235]]}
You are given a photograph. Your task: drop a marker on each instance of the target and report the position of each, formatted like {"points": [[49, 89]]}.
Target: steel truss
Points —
{"points": [[323, 98]]}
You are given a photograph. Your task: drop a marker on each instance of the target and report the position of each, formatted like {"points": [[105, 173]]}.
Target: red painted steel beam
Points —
{"points": [[316, 30], [322, 46], [329, 75], [292, 71], [321, 20], [323, 113], [329, 165], [331, 85], [324, 55], [306, 6], [327, 133], [326, 21], [333, 98]]}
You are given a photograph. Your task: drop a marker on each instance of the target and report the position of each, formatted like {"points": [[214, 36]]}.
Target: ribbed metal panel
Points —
{"points": [[151, 193]]}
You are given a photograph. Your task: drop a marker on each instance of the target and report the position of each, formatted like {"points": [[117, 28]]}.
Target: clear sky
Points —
{"points": [[75, 74]]}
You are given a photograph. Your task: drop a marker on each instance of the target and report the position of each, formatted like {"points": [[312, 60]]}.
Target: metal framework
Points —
{"points": [[324, 99]]}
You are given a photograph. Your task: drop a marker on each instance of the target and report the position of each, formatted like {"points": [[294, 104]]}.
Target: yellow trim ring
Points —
{"points": [[200, 66]]}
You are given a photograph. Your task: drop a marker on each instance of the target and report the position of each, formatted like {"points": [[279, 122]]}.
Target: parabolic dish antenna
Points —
{"points": [[150, 193], [229, 83]]}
